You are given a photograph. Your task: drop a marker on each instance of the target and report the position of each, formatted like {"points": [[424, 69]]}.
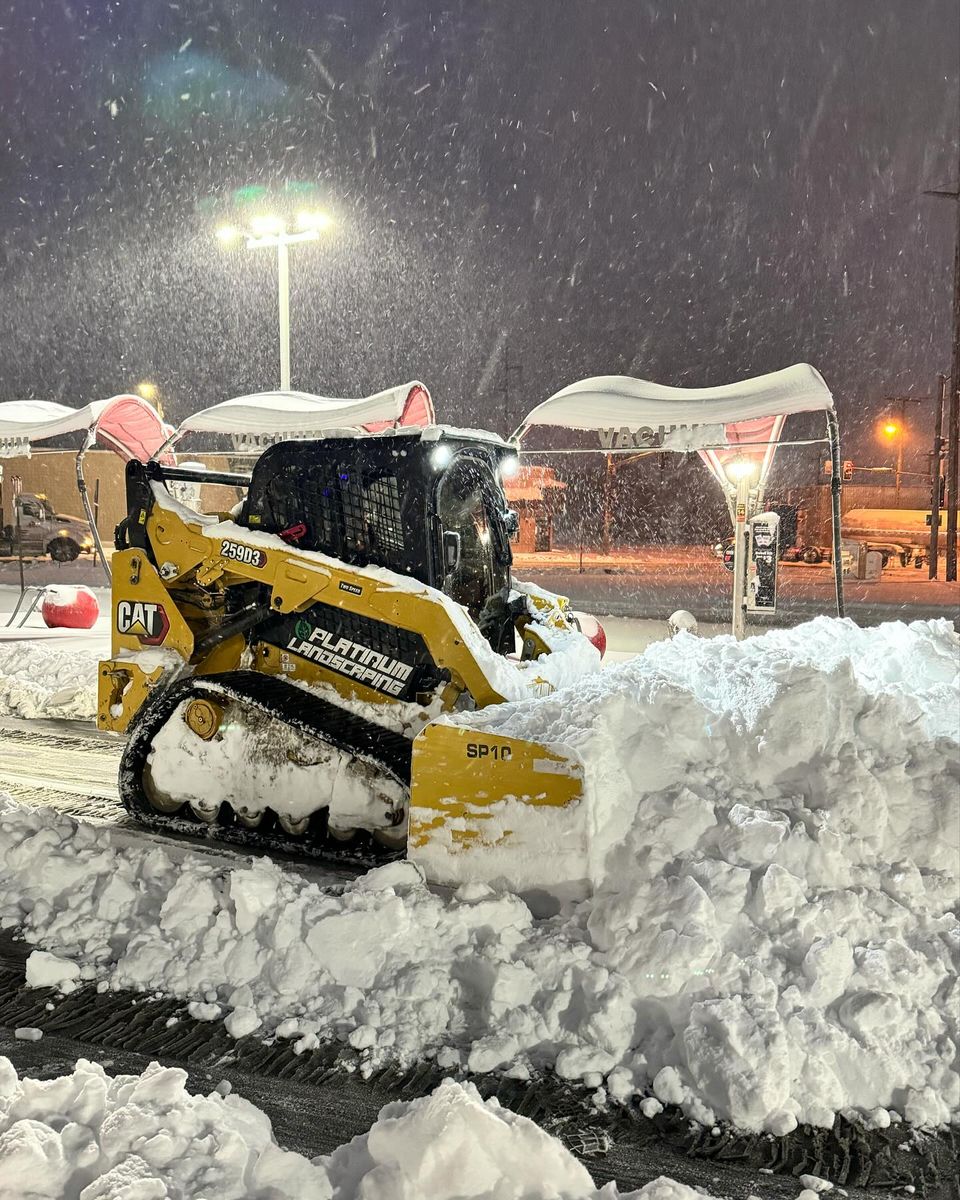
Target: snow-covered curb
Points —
{"points": [[771, 938], [146, 1137], [48, 679]]}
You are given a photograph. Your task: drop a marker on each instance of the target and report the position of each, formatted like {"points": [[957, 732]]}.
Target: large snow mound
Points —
{"points": [[146, 1137], [48, 679], [772, 937], [844, 739]]}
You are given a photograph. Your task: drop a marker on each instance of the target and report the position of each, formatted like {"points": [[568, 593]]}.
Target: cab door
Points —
{"points": [[474, 545]]}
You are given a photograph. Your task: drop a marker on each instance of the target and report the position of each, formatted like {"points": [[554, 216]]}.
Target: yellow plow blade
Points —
{"points": [[487, 808]]}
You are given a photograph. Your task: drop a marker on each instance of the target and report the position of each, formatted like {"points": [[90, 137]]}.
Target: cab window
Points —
{"points": [[465, 507]]}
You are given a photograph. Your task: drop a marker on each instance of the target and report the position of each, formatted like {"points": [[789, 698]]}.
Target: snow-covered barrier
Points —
{"points": [[771, 939], [48, 679], [98, 1137]]}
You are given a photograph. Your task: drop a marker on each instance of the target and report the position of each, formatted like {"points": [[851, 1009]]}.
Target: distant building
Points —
{"points": [[536, 495]]}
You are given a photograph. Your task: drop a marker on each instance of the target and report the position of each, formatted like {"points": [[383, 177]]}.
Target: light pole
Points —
{"points": [[271, 231], [741, 473]]}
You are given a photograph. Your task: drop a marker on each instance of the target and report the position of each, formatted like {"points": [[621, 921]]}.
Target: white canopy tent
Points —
{"points": [[735, 429], [256, 421], [26, 421], [612, 401], [126, 424]]}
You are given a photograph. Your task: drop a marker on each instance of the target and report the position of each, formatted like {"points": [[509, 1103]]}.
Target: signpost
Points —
{"points": [[17, 482]]}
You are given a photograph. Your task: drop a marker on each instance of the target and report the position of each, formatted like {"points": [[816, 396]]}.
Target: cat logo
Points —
{"points": [[148, 622]]}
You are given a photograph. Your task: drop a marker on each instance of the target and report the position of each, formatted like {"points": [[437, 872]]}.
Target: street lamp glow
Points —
{"points": [[740, 469], [891, 429], [315, 222], [270, 231], [147, 390], [266, 226]]}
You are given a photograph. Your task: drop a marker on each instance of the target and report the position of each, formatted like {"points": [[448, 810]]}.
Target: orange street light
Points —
{"points": [[890, 429]]}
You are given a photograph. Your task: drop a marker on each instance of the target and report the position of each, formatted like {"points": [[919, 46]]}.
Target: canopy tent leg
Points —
{"points": [[39, 592], [836, 475], [87, 508], [741, 504]]}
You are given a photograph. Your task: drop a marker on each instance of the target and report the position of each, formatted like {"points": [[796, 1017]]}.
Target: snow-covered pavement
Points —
{"points": [[771, 937], [50, 672], [146, 1137]]}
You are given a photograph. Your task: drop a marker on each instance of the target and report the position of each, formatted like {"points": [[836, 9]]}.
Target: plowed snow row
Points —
{"points": [[48, 679], [145, 1137]]}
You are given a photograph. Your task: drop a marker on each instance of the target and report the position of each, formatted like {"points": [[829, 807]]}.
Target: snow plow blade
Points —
{"points": [[487, 808]]}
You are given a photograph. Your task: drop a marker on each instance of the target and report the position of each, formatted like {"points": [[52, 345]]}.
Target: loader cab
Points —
{"points": [[431, 509]]}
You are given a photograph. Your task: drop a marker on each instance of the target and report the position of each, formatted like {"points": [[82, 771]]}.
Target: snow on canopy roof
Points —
{"points": [[32, 420], [611, 401], [298, 412], [131, 425]]}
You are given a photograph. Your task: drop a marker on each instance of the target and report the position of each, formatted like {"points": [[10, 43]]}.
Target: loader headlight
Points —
{"points": [[441, 456]]}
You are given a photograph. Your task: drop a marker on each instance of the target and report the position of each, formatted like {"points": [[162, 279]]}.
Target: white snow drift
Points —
{"points": [[48, 679], [771, 936], [145, 1137]]}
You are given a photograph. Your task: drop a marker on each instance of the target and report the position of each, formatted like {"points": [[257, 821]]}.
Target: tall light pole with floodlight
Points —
{"points": [[272, 231]]}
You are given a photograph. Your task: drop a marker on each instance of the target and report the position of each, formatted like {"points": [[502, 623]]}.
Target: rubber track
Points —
{"points": [[389, 752]]}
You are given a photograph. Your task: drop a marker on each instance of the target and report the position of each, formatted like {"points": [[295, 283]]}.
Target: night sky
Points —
{"points": [[689, 192]]}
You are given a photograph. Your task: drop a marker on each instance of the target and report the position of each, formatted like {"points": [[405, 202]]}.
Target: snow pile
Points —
{"points": [[146, 1137], [48, 679], [918, 662], [100, 1138], [770, 940], [773, 832]]}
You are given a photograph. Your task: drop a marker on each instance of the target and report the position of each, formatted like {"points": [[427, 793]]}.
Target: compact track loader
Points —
{"points": [[283, 672]]}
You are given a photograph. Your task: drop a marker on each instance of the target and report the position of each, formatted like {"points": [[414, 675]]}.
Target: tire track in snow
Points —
{"points": [[318, 1100]]}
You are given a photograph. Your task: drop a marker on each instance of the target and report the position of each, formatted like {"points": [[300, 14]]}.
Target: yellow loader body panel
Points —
{"points": [[474, 792]]}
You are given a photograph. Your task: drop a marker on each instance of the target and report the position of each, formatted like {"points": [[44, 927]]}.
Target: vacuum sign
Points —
{"points": [[649, 438]]}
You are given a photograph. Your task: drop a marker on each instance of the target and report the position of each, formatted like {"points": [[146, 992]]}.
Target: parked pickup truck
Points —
{"points": [[43, 531]]}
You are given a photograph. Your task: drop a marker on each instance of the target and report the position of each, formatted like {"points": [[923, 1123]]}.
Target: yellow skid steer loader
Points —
{"points": [[284, 672]]}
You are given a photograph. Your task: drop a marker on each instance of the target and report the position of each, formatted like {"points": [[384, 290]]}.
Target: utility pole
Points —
{"points": [[608, 477], [953, 424], [509, 366], [933, 560]]}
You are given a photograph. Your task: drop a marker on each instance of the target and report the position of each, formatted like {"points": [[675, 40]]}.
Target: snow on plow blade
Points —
{"points": [[491, 809]]}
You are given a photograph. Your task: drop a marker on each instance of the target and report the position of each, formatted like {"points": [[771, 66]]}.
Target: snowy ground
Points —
{"points": [[50, 672], [146, 1137], [771, 937]]}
